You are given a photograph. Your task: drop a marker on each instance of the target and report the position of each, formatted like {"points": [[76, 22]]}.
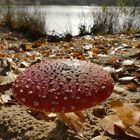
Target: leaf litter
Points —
{"points": [[118, 54], [126, 119]]}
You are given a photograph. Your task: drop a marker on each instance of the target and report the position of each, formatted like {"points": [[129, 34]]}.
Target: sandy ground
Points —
{"points": [[19, 123]]}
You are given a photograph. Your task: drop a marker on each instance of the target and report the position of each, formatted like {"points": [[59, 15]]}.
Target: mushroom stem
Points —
{"points": [[80, 115], [74, 120]]}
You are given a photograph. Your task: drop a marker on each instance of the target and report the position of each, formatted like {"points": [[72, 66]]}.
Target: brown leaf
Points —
{"points": [[3, 54], [137, 74], [40, 43], [95, 50], [74, 121], [133, 131], [66, 46], [112, 61], [108, 124], [78, 55], [136, 44], [128, 113], [114, 126], [101, 137], [26, 46], [131, 86], [94, 54]]}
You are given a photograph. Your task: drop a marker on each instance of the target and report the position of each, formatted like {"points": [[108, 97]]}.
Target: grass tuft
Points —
{"points": [[31, 24]]}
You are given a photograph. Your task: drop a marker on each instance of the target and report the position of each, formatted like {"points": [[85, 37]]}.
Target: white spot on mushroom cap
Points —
{"points": [[65, 98], [43, 96], [56, 97], [55, 103], [27, 86], [66, 90], [77, 97], [72, 107], [58, 93], [103, 87], [43, 87], [63, 108], [30, 92], [88, 94], [52, 90], [70, 91], [36, 104], [16, 85], [23, 100], [79, 90], [21, 90], [38, 87]]}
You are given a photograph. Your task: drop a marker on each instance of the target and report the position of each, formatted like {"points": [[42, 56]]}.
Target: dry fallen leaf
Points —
{"points": [[5, 87], [131, 86], [126, 79], [112, 61], [108, 124], [114, 126], [94, 54], [78, 55], [133, 131], [101, 137], [95, 50], [137, 74], [26, 46], [8, 79], [109, 69], [6, 97], [74, 121], [40, 43], [128, 62], [23, 64], [129, 114], [136, 44], [126, 120], [119, 89]]}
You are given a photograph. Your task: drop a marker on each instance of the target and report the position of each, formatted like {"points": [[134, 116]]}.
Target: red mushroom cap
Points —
{"points": [[63, 85]]}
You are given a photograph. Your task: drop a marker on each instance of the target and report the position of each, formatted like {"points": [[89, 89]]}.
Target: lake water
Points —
{"points": [[68, 18], [62, 19]]}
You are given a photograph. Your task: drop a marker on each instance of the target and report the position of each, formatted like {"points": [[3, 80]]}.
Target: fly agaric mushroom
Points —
{"points": [[63, 86]]}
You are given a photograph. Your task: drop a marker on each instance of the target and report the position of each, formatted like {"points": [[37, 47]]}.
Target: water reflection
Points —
{"points": [[69, 18], [62, 19]]}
